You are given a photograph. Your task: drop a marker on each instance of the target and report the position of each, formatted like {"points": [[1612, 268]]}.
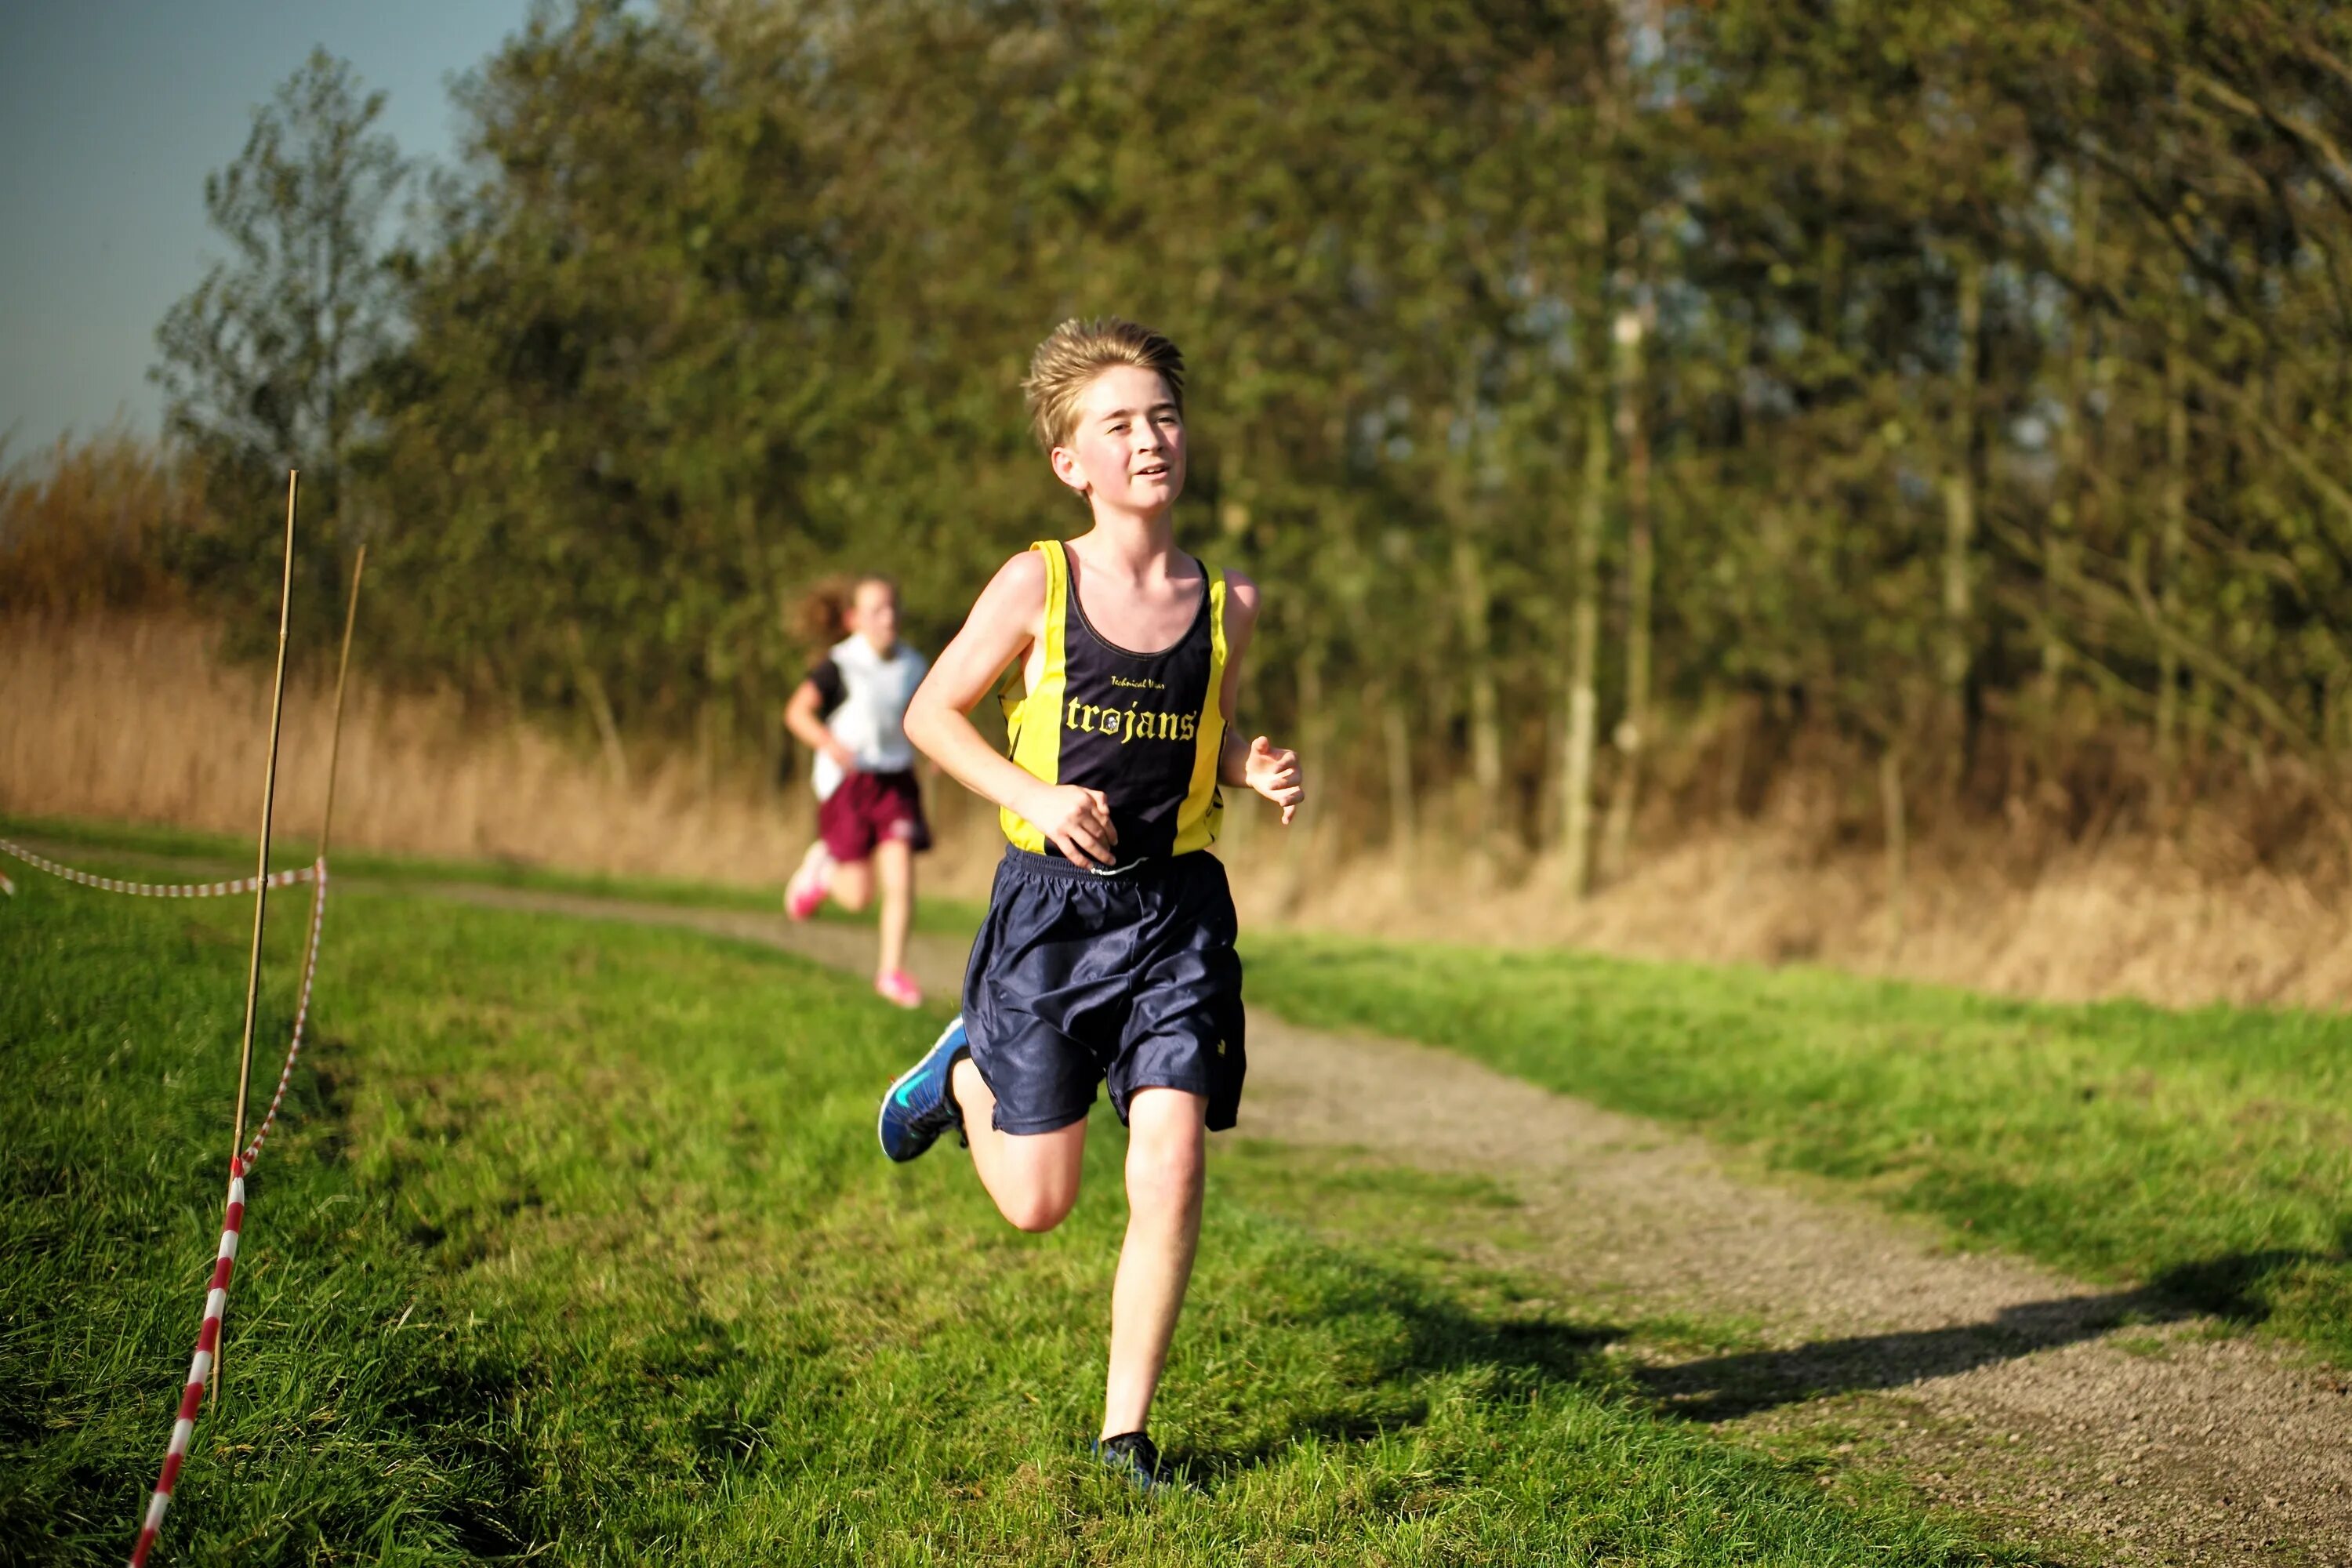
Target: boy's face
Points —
{"points": [[1127, 449], [874, 614]]}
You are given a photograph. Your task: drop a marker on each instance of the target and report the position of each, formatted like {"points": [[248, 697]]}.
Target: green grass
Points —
{"points": [[2207, 1152], [574, 1244]]}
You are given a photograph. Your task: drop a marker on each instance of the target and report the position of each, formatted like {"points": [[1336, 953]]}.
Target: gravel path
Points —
{"points": [[2027, 1394], [2100, 1416]]}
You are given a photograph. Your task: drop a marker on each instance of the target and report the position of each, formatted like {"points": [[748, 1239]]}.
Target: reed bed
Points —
{"points": [[135, 718]]}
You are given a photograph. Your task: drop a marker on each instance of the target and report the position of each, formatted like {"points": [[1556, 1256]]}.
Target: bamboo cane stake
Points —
{"points": [[262, 886], [342, 670]]}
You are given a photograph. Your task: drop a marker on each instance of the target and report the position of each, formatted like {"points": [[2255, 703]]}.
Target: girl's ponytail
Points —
{"points": [[820, 616]]}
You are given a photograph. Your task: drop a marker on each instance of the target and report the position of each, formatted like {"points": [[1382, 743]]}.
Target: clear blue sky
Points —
{"points": [[111, 111]]}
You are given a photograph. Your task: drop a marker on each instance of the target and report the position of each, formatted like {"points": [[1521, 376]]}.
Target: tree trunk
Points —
{"points": [[1474, 616], [2173, 525], [1641, 571], [1591, 516], [1583, 651], [1898, 836], [1242, 805], [600, 709], [1300, 840], [1396, 741], [1474, 607], [1960, 526], [706, 748], [2068, 520]]}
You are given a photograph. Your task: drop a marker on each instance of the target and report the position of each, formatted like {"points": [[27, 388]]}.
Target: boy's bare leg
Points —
{"points": [[1034, 1178], [893, 867], [1166, 1156]]}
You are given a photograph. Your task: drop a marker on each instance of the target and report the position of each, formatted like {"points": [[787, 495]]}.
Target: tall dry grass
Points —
{"points": [[2133, 917], [133, 719]]}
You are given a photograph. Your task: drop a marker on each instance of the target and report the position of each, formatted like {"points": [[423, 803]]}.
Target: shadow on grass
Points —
{"points": [[1723, 1388], [2233, 1288], [2243, 1288], [1426, 1337], [1431, 1338]]}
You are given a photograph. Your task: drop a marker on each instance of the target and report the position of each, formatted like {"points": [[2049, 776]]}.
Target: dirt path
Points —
{"points": [[2034, 1396], [2072, 1412]]}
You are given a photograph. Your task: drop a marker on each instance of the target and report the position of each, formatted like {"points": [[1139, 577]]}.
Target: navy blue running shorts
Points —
{"points": [[1131, 980]]}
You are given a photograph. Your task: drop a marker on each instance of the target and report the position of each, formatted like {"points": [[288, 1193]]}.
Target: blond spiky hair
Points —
{"points": [[1066, 362]]}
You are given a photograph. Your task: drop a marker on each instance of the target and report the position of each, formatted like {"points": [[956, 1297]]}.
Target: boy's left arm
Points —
{"points": [[1272, 771]]}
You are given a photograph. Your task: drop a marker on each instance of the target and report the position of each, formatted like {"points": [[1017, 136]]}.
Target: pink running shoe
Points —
{"points": [[804, 894], [897, 986]]}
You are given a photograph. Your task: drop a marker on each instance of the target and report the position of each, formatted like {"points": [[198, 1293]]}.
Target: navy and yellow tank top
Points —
{"points": [[1143, 727]]}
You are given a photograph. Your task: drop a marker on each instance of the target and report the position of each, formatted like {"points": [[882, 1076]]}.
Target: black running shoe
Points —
{"points": [[919, 1105], [1135, 1459]]}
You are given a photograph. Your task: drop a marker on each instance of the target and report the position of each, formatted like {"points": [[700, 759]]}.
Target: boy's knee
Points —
{"points": [[1166, 1170], [1038, 1213]]}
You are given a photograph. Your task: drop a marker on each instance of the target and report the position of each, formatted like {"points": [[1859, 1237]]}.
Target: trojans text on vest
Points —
{"points": [[1131, 723]]}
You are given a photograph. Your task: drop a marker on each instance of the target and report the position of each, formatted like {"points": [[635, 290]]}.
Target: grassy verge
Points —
{"points": [[574, 1245], [2209, 1152]]}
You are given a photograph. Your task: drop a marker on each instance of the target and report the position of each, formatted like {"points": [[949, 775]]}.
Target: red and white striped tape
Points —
{"points": [[192, 1397], [152, 889]]}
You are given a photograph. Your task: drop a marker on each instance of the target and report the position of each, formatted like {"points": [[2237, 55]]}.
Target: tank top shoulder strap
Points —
{"points": [[1216, 624], [1033, 722], [1057, 583], [1052, 633], [1202, 814]]}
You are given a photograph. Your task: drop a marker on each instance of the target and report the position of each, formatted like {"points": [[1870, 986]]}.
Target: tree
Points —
{"points": [[263, 363], [1916, 370]]}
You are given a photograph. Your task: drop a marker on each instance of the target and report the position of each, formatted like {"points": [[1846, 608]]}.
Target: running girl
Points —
{"points": [[848, 711]]}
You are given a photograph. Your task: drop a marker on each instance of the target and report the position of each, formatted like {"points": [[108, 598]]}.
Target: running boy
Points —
{"points": [[1108, 952], [849, 711]]}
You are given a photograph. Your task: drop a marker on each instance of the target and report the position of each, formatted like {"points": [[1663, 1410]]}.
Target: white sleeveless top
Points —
{"points": [[865, 696]]}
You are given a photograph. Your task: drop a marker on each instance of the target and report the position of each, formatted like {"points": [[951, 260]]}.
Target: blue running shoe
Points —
{"points": [[920, 1106], [1135, 1459]]}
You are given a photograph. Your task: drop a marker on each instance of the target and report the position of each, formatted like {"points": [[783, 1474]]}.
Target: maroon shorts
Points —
{"points": [[868, 809]]}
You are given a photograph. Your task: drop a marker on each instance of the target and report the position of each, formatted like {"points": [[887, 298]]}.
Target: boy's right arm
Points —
{"points": [[1008, 616]]}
